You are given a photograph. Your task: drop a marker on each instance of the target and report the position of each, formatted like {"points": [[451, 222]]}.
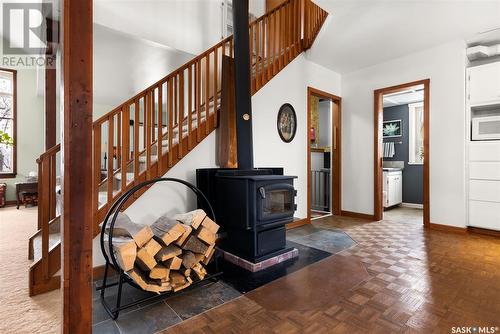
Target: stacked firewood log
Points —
{"points": [[169, 254]]}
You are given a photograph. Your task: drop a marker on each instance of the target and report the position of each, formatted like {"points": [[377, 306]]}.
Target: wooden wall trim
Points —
{"points": [[357, 215], [297, 222], [377, 147], [336, 158], [447, 228], [77, 228], [483, 231]]}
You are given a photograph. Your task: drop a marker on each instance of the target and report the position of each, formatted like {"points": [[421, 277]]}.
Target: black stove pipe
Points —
{"points": [[243, 98]]}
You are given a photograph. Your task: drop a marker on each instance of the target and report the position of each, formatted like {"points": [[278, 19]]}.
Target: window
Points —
{"points": [[7, 123], [416, 134]]}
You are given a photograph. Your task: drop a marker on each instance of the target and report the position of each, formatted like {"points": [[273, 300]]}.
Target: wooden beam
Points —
{"points": [[77, 172], [227, 119]]}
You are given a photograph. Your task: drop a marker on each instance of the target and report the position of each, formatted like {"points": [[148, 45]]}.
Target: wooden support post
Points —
{"points": [[77, 226]]}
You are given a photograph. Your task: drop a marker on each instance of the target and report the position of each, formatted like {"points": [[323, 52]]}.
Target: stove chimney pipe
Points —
{"points": [[243, 98]]}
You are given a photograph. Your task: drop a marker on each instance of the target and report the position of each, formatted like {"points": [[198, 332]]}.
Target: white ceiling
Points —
{"points": [[361, 33]]}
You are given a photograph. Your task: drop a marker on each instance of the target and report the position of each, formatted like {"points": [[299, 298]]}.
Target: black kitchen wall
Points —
{"points": [[413, 175]]}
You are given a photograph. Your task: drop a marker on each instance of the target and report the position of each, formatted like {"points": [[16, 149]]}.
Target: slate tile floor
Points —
{"points": [[314, 244]]}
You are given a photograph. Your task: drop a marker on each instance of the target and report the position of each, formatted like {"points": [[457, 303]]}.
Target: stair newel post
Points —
{"points": [[125, 127], [268, 48], [159, 141], [190, 106], [170, 120], [180, 118]]}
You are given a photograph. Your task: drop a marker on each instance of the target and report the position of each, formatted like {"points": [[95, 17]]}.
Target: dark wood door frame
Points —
{"points": [[336, 164], [377, 140]]}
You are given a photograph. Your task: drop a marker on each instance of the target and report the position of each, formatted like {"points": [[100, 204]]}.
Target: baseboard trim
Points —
{"points": [[483, 231], [412, 205], [297, 222], [447, 228], [357, 215]]}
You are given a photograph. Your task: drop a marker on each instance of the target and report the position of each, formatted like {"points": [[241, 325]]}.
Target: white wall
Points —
{"points": [[30, 128], [444, 66], [289, 86]]}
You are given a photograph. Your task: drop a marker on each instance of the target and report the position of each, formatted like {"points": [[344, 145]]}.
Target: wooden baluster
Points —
{"points": [[119, 140], [52, 187], [148, 128], [207, 98], [40, 190], [111, 135], [170, 120], [258, 69], [136, 141], [181, 112], [253, 79], [294, 27], [262, 53], [287, 33], [281, 39], [215, 90], [159, 141], [125, 145], [198, 100], [45, 195], [275, 43], [268, 34], [190, 106], [97, 164]]}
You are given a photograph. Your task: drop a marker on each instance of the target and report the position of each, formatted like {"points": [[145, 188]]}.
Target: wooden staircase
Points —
{"points": [[147, 135]]}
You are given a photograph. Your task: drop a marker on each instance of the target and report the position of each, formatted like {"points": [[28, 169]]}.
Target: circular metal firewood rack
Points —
{"points": [[110, 260]]}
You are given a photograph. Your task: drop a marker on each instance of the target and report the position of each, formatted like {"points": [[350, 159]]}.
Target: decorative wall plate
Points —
{"points": [[287, 123]]}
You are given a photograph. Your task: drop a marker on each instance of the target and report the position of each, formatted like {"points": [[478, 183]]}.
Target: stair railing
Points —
{"points": [[48, 164], [144, 137]]}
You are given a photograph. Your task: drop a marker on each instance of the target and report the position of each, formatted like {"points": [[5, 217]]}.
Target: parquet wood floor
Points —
{"points": [[399, 278]]}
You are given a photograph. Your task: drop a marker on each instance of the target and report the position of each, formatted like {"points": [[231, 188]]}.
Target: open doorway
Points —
{"points": [[401, 146], [323, 153]]}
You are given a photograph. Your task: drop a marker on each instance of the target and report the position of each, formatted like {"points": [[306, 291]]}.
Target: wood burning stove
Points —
{"points": [[252, 207]]}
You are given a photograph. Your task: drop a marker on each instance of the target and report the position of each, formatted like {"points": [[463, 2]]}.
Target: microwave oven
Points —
{"points": [[486, 128]]}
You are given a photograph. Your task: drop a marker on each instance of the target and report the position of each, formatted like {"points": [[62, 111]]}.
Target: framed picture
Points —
{"points": [[287, 123], [392, 129]]}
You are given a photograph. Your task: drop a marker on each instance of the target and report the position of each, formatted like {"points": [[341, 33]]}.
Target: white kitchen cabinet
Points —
{"points": [[484, 84], [393, 188]]}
